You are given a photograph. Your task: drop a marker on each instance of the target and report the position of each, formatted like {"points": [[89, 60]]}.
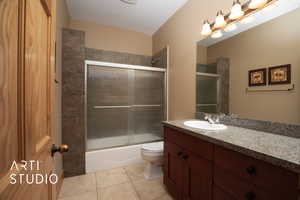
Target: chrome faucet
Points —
{"points": [[212, 119]]}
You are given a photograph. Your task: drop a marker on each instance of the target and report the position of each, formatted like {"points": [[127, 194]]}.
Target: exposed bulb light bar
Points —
{"points": [[230, 27], [254, 4], [217, 34], [220, 20], [206, 29], [236, 10], [242, 13]]}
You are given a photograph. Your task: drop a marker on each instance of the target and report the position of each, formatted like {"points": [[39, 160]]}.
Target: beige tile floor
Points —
{"points": [[127, 183]]}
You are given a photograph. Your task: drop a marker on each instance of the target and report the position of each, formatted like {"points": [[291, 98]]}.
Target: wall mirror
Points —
{"points": [[253, 70]]}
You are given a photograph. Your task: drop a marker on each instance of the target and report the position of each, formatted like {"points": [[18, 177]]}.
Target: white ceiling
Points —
{"points": [[146, 16]]}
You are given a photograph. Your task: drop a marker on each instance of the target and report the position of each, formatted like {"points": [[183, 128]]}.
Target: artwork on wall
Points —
{"points": [[257, 77], [280, 75]]}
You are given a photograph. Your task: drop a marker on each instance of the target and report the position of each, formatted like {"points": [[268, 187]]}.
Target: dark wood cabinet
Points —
{"points": [[197, 178], [198, 170], [173, 169], [268, 181], [219, 194], [187, 175]]}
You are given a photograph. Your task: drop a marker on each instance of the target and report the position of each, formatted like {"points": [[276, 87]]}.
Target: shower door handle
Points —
{"points": [[133, 106], [155, 105], [103, 107]]}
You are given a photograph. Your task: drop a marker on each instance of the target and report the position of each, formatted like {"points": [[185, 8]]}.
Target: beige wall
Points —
{"points": [[62, 20], [181, 33], [274, 43], [114, 39]]}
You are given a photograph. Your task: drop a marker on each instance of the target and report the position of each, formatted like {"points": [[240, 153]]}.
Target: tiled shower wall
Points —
{"points": [[73, 74], [223, 71], [160, 59], [73, 55]]}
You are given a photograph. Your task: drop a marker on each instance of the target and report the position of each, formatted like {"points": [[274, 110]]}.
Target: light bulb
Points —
{"points": [[230, 27], [257, 3], [247, 20], [220, 21], [236, 10], [206, 29], [217, 34]]}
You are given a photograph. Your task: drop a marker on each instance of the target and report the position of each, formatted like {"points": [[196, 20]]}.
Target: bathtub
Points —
{"points": [[113, 158]]}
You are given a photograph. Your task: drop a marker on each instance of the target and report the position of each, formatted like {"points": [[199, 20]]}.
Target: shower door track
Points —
{"points": [[124, 66]]}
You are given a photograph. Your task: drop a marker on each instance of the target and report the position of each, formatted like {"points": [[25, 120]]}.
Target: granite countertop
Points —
{"points": [[276, 149]]}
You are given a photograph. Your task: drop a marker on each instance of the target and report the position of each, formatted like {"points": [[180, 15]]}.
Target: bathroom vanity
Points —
{"points": [[231, 164]]}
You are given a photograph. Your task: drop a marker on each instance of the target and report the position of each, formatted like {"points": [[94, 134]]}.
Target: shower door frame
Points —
{"points": [[218, 77], [123, 66]]}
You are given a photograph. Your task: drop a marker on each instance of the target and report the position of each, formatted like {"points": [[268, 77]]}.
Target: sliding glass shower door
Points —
{"points": [[124, 106]]}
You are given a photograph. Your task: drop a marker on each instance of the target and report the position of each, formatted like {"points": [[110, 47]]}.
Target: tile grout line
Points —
{"points": [[131, 181], [98, 195], [136, 190]]}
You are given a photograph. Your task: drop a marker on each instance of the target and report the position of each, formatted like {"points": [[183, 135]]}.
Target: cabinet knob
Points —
{"points": [[250, 196], [251, 170], [179, 153], [185, 157]]}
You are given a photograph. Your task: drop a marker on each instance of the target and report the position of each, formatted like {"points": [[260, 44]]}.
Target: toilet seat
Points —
{"points": [[157, 147]]}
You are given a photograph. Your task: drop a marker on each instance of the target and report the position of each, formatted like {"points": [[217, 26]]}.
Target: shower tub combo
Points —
{"points": [[124, 108]]}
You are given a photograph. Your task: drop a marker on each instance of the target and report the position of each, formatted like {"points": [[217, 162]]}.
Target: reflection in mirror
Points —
{"points": [[223, 67]]}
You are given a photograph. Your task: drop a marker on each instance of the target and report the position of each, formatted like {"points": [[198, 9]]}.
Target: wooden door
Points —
{"points": [[27, 47], [197, 178], [173, 169]]}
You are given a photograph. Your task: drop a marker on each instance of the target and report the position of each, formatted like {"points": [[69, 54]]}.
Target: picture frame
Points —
{"points": [[279, 75], [257, 77]]}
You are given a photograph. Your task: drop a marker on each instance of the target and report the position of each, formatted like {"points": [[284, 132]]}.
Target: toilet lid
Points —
{"points": [[154, 147]]}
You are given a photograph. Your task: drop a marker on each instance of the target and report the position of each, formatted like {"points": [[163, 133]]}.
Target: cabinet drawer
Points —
{"points": [[257, 172], [195, 145], [237, 188], [219, 194]]}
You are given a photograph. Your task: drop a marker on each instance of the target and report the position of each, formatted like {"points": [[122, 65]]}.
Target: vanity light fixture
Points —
{"points": [[206, 29], [230, 27], [247, 20], [242, 13], [236, 10], [217, 34], [254, 4], [220, 20]]}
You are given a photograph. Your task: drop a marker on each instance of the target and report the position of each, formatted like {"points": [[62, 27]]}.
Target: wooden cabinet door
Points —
{"points": [[27, 43], [173, 169], [219, 194], [197, 178]]}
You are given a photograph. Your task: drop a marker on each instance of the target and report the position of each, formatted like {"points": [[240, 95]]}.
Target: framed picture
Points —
{"points": [[257, 77], [280, 75]]}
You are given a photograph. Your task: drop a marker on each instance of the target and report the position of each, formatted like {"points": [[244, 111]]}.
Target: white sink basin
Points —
{"points": [[204, 125]]}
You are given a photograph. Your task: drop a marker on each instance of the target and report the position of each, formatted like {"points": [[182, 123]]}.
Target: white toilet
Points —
{"points": [[152, 153]]}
